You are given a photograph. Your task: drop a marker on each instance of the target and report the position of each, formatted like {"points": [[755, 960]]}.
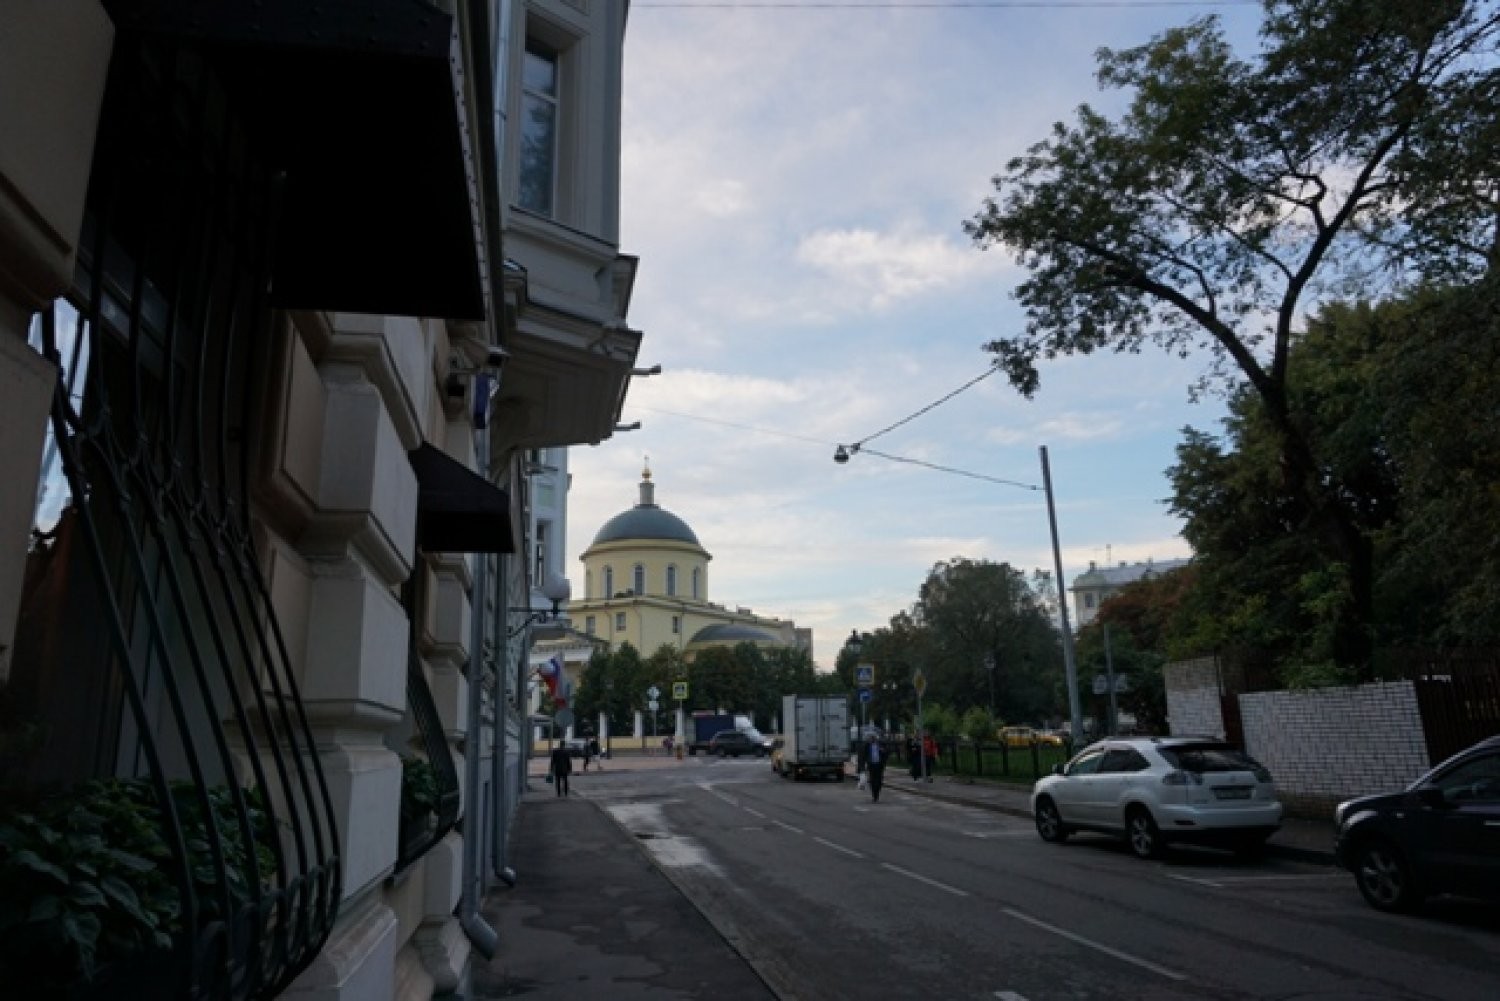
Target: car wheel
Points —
{"points": [[1384, 877], [1049, 824], [1142, 833]]}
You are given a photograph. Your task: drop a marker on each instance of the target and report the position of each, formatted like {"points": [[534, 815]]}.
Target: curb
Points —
{"points": [[1297, 853]]}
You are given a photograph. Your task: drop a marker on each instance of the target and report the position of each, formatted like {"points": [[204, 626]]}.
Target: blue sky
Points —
{"points": [[794, 183]]}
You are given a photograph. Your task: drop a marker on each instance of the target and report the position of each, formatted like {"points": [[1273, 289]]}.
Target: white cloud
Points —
{"points": [[875, 269]]}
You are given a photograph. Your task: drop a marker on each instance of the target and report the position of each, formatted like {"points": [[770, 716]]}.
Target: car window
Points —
{"points": [[1475, 781], [1202, 758], [1086, 763], [1124, 759]]}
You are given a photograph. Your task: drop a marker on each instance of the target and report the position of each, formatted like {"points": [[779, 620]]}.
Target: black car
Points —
{"points": [[1442, 835], [733, 742]]}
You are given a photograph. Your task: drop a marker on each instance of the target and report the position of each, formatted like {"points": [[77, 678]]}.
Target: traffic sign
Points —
{"points": [[865, 695], [653, 691], [919, 682], [653, 705], [864, 675], [563, 717], [679, 690]]}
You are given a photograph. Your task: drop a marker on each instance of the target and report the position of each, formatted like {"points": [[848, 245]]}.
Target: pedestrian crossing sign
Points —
{"points": [[679, 690]]}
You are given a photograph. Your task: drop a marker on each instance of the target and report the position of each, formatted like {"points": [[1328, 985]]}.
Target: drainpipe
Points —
{"points": [[478, 931], [497, 763]]}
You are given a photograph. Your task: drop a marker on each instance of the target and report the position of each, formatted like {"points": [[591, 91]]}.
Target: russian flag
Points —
{"points": [[557, 681]]}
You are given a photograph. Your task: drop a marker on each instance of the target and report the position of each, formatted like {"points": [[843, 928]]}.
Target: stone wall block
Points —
{"points": [[354, 671]]}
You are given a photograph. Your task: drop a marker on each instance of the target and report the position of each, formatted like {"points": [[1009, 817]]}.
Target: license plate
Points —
{"points": [[1232, 792]]}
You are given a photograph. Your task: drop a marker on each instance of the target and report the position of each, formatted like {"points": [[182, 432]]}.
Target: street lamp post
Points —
{"points": [[989, 668]]}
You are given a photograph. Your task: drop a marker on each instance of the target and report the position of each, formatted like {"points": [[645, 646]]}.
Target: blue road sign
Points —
{"points": [[864, 675], [864, 695]]}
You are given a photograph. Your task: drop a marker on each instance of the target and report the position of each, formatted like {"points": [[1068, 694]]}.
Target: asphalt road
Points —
{"points": [[829, 896]]}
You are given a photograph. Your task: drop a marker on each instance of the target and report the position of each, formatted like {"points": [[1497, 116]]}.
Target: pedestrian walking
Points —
{"points": [[562, 767], [593, 752], [872, 764], [914, 757], [929, 754]]}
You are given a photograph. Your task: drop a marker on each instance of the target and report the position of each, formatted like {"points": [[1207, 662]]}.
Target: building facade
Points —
{"points": [[289, 295], [646, 583], [1097, 584]]}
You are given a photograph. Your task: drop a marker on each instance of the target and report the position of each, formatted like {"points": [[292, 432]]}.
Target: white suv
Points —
{"points": [[1156, 790]]}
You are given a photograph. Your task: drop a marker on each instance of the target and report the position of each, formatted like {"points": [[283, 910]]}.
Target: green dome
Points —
{"points": [[646, 521]]}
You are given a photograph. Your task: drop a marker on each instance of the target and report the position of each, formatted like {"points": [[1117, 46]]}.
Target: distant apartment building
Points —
{"points": [[293, 298], [1097, 584]]}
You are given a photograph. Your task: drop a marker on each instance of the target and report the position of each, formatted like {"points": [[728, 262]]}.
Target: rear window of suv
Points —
{"points": [[1202, 758]]}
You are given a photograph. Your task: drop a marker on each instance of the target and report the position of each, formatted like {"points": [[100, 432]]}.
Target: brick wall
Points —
{"points": [[1193, 697], [1328, 744]]}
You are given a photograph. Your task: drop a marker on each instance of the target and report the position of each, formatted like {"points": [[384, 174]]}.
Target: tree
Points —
{"points": [[970, 611], [1233, 194], [1400, 397]]}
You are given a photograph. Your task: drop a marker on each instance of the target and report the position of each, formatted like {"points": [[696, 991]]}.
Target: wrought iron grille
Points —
{"points": [[424, 823], [158, 714]]}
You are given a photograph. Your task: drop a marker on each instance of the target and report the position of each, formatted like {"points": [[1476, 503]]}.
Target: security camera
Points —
{"points": [[496, 357], [841, 454]]}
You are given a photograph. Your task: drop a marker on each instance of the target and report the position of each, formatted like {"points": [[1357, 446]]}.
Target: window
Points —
{"points": [[676, 624], [1124, 760], [671, 582], [539, 106], [1088, 599], [588, 625], [609, 583], [697, 583], [619, 622], [638, 579], [1086, 764], [539, 574], [1474, 781]]}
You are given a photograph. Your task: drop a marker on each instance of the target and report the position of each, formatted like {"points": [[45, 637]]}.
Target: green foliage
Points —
{"points": [[1231, 198], [940, 721], [419, 790], [85, 878], [978, 724]]}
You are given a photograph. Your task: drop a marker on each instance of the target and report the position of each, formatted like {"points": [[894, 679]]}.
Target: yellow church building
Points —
{"points": [[645, 583]]}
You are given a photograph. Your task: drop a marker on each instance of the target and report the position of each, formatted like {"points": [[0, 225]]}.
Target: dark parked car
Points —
{"points": [[1441, 835], [735, 743]]}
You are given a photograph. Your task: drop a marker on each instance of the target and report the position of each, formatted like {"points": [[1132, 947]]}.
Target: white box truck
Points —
{"points": [[816, 736]]}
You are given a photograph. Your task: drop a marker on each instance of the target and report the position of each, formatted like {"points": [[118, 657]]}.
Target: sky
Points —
{"points": [[794, 181]]}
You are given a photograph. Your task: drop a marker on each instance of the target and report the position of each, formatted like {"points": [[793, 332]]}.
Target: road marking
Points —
{"points": [[924, 879], [1197, 880], [1010, 996], [1221, 882], [755, 813], [794, 830], [837, 848], [1124, 957], [649, 826]]}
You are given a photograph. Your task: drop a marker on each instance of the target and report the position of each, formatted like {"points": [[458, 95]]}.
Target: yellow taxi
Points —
{"points": [[1018, 736]]}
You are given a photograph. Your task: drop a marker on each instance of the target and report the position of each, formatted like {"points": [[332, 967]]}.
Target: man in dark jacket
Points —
{"points": [[562, 767], [872, 762]]}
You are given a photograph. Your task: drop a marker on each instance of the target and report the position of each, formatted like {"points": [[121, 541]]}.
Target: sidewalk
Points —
{"points": [[590, 916]]}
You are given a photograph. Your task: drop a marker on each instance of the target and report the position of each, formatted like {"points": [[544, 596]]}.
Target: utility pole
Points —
{"points": [[1070, 669]]}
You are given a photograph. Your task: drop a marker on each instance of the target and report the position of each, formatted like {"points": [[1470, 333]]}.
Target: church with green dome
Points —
{"points": [[645, 583]]}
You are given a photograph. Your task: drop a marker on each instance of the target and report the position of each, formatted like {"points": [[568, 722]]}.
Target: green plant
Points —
{"points": [[419, 790], [86, 877]]}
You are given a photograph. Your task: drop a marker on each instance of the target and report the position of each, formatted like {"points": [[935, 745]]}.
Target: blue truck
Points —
{"points": [[704, 723]]}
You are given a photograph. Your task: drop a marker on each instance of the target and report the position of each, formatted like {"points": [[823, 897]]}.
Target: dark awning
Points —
{"points": [[358, 102], [459, 511]]}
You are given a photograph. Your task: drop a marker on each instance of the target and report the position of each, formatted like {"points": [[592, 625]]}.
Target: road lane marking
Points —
{"points": [[755, 813], [1196, 880], [924, 879], [794, 830], [837, 848], [1221, 882], [1123, 957], [1010, 996]]}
